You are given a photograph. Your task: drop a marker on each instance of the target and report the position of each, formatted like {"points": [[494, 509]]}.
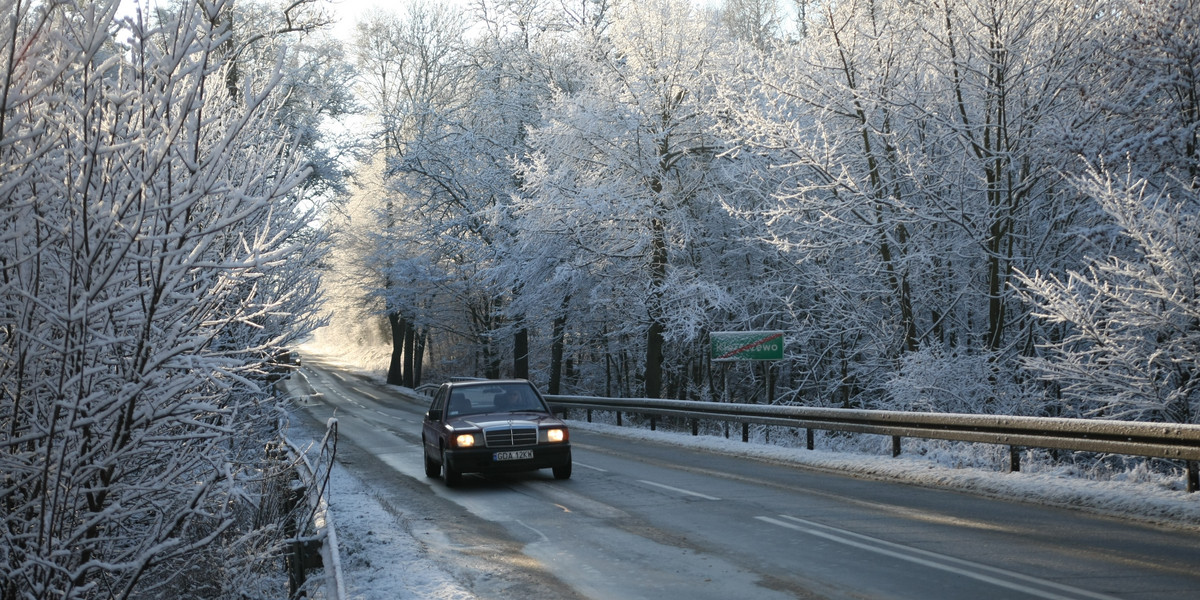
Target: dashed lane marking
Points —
{"points": [[679, 490]]}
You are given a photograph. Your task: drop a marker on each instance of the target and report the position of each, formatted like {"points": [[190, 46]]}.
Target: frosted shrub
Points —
{"points": [[154, 256], [933, 380]]}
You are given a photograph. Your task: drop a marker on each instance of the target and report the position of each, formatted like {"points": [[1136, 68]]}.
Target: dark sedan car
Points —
{"points": [[493, 427]]}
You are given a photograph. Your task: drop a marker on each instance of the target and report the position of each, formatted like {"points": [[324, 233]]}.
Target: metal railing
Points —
{"points": [[1158, 440], [314, 487], [321, 522]]}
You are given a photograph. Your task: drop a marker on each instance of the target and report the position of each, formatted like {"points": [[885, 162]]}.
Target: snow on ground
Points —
{"points": [[381, 560]]}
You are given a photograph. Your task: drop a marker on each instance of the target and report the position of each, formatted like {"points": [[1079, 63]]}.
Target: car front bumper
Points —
{"points": [[483, 460]]}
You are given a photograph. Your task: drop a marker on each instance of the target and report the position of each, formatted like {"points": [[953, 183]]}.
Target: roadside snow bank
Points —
{"points": [[381, 560]]}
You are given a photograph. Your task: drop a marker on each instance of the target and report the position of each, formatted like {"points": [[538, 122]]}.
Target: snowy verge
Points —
{"points": [[381, 559]]}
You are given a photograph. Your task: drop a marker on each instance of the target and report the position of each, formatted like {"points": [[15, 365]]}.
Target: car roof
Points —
{"points": [[482, 382]]}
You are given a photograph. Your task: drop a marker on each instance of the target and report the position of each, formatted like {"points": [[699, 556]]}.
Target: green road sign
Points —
{"points": [[747, 345]]}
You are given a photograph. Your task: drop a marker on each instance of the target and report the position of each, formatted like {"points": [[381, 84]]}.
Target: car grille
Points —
{"points": [[509, 437]]}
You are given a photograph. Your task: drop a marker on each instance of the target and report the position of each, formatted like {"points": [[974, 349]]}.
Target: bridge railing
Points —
{"points": [[1158, 440]]}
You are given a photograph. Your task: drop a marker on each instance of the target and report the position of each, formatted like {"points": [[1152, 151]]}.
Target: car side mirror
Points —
{"points": [[434, 414]]}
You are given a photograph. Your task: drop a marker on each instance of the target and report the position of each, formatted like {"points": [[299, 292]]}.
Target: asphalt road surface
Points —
{"points": [[642, 520]]}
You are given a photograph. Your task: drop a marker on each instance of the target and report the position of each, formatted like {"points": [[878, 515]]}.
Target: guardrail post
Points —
{"points": [[745, 432], [808, 434], [294, 558], [1014, 459], [1193, 476], [695, 427], [618, 418], [653, 423], [895, 446]]}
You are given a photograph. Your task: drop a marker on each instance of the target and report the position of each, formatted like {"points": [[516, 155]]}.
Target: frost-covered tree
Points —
{"points": [[454, 114], [1144, 79], [913, 147], [614, 180], [1130, 322], [316, 80], [756, 22], [413, 72], [619, 170], [154, 257]]}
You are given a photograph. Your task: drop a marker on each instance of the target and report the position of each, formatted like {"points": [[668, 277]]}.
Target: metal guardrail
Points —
{"points": [[1159, 440], [316, 492], [429, 389], [322, 523]]}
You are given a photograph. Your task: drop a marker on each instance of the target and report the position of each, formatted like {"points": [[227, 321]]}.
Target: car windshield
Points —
{"points": [[501, 397]]}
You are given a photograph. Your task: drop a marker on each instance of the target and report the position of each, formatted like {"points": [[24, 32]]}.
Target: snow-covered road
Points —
{"points": [[392, 550]]}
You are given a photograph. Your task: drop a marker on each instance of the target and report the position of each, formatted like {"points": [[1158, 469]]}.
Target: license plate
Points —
{"points": [[513, 455]]}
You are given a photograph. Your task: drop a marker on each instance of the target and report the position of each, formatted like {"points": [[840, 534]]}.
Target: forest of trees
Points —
{"points": [[955, 205]]}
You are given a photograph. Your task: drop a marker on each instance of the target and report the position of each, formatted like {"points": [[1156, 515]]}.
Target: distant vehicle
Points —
{"points": [[279, 364], [487, 426]]}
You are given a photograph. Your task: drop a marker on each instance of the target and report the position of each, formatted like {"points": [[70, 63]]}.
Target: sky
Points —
{"points": [[348, 11]]}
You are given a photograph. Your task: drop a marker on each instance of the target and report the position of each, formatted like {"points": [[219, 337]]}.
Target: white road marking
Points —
{"points": [[579, 464], [534, 529], [679, 490], [980, 572], [393, 417]]}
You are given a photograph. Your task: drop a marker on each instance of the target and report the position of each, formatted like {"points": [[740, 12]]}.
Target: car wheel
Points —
{"points": [[563, 472], [432, 468], [450, 476]]}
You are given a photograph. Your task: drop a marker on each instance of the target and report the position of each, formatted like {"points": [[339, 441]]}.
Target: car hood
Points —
{"points": [[487, 421]]}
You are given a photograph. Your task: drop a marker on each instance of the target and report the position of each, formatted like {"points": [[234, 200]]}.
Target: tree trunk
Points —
{"points": [[490, 360], [419, 356], [654, 360], [521, 354], [395, 374], [410, 343], [658, 275], [558, 344]]}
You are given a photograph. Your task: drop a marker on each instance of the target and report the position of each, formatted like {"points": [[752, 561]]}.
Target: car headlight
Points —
{"points": [[464, 440], [556, 435]]}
